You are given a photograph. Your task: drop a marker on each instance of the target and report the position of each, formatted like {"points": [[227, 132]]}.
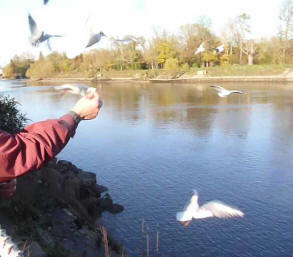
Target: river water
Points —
{"points": [[153, 143]]}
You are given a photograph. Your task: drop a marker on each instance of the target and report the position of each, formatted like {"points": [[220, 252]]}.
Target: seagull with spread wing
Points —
{"points": [[38, 36], [81, 90], [126, 40], [210, 209], [220, 49], [200, 49], [222, 92]]}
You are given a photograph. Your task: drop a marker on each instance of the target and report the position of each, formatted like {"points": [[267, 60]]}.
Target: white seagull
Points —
{"points": [[210, 209], [38, 36], [95, 38], [200, 49], [220, 49], [222, 92], [81, 90], [126, 40]]}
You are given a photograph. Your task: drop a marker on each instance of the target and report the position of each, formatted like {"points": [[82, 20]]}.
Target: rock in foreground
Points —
{"points": [[57, 208]]}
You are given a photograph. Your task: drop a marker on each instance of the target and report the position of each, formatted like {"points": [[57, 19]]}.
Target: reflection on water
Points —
{"points": [[153, 143]]}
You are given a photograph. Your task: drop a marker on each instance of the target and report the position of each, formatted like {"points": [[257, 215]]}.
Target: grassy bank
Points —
{"points": [[241, 72]]}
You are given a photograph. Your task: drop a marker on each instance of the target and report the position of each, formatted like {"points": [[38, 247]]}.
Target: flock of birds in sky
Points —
{"points": [[192, 210], [201, 49], [38, 36]]}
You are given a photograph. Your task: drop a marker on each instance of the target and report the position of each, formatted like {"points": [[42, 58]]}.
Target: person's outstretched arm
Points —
{"points": [[42, 141]]}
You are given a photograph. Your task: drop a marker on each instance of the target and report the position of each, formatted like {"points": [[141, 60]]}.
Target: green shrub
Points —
{"points": [[11, 119], [185, 67], [171, 64]]}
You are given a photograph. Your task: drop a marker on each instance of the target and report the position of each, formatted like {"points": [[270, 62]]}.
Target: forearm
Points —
{"points": [[36, 144]]}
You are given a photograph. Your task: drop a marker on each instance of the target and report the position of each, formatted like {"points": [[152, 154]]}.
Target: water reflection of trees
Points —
{"points": [[191, 106]]}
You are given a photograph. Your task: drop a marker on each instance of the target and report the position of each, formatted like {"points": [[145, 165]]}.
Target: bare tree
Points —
{"points": [[249, 50], [236, 34], [286, 26]]}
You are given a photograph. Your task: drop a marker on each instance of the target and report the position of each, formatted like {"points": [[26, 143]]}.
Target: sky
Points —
{"points": [[76, 19]]}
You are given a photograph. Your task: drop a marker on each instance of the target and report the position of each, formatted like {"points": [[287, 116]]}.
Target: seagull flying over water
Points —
{"points": [[75, 89], [95, 38], [200, 49], [38, 36], [208, 210], [222, 92]]}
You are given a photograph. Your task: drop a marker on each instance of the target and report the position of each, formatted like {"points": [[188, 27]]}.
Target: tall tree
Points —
{"points": [[237, 34], [191, 36], [241, 31], [286, 26]]}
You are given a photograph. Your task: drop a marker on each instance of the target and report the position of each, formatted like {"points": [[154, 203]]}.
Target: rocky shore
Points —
{"points": [[55, 212]]}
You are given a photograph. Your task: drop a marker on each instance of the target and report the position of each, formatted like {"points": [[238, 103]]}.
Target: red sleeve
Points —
{"points": [[36, 144]]}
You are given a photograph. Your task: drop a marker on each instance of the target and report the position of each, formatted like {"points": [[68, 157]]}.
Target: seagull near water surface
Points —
{"points": [[222, 92], [81, 90], [210, 209], [38, 36]]}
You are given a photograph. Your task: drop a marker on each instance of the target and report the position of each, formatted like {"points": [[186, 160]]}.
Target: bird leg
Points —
{"points": [[186, 223]]}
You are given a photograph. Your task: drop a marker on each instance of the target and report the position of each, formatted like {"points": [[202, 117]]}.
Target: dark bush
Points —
{"points": [[11, 119]]}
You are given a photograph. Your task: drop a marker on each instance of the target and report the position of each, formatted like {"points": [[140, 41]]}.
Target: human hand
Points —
{"points": [[88, 107]]}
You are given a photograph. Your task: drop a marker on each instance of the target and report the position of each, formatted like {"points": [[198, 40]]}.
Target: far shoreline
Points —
{"points": [[191, 79]]}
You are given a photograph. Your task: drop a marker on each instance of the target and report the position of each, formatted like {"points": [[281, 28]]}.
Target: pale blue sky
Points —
{"points": [[117, 18]]}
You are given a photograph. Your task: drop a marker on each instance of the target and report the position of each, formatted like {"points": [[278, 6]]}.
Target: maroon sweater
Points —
{"points": [[34, 145]]}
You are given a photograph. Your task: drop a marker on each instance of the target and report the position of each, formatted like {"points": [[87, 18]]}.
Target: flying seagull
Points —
{"points": [[208, 210], [38, 36], [200, 49], [222, 92], [95, 38], [220, 49], [126, 40], [75, 89]]}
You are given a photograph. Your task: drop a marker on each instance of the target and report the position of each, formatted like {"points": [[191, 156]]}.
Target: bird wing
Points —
{"points": [[69, 88], [91, 90], [46, 1], [220, 210], [220, 48], [33, 25], [236, 92], [126, 40], [93, 40], [219, 88], [183, 216], [48, 36], [200, 48], [48, 44], [190, 207], [75, 89]]}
